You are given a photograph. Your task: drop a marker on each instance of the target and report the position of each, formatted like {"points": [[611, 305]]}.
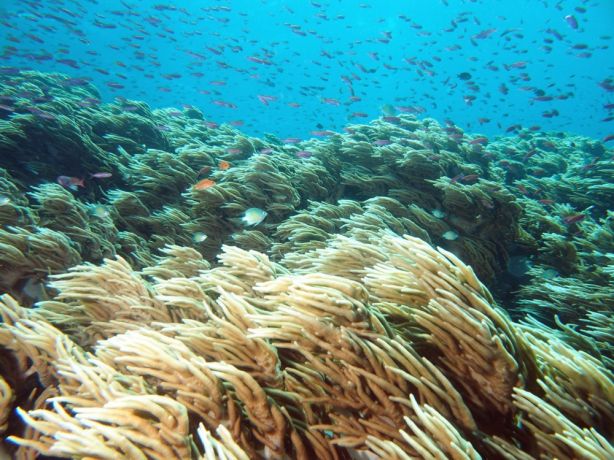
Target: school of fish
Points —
{"points": [[294, 68]]}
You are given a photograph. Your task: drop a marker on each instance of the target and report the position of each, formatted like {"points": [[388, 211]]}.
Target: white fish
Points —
{"points": [[199, 237], [4, 200], [100, 211], [438, 213], [450, 235], [253, 216]]}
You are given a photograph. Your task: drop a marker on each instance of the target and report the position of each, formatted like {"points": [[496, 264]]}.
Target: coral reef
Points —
{"points": [[413, 360], [411, 291]]}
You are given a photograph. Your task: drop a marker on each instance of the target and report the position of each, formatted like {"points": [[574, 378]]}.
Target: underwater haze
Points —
{"points": [[312, 230], [289, 68]]}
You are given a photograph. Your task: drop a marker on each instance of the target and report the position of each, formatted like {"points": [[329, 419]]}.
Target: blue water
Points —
{"points": [[326, 64]]}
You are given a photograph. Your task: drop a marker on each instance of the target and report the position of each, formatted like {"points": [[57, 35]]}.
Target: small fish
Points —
{"points": [[257, 60], [303, 154], [72, 183], [529, 154], [101, 175], [229, 105], [381, 142], [522, 189], [515, 65], [590, 165], [40, 113], [546, 202], [484, 34], [456, 178], [4, 200], [571, 21], [330, 101], [450, 235], [438, 213], [253, 216], [223, 165], [543, 98], [76, 81], [291, 140], [469, 178], [100, 211], [204, 184], [322, 133], [204, 170], [410, 109], [487, 203], [479, 140], [199, 237], [266, 99], [573, 219]]}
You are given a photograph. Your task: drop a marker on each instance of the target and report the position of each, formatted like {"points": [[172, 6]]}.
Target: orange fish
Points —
{"points": [[223, 165], [204, 184]]}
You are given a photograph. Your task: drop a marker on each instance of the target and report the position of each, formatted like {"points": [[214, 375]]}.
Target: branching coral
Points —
{"points": [[303, 364], [57, 209], [224, 448], [323, 333], [430, 436], [575, 383], [29, 256], [559, 436], [7, 399], [14, 208]]}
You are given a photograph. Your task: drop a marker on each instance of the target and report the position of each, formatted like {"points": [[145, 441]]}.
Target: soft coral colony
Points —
{"points": [[360, 316]]}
